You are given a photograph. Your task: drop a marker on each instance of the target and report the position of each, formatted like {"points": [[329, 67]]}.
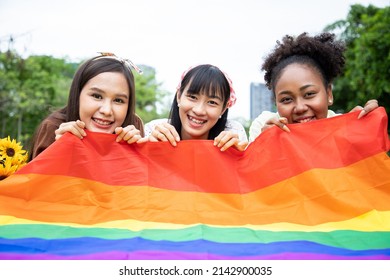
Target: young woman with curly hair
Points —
{"points": [[300, 72]]}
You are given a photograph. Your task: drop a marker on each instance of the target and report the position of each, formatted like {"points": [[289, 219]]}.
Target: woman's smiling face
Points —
{"points": [[104, 101], [198, 112], [300, 94]]}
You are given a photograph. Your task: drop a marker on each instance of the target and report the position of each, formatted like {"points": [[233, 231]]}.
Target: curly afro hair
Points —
{"points": [[322, 52]]}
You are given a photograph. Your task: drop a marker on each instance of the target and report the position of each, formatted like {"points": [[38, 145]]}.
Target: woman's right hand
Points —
{"points": [[165, 132], [74, 127], [279, 122]]}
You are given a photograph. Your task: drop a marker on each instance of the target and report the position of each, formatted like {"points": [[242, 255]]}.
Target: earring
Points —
{"points": [[220, 116], [178, 104]]}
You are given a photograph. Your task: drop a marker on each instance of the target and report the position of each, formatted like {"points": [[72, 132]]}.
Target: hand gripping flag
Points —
{"points": [[321, 191]]}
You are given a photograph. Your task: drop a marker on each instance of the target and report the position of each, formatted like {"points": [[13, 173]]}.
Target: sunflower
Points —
{"points": [[10, 147], [12, 157], [7, 169]]}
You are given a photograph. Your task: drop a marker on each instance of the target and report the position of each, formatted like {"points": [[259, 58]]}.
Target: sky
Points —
{"points": [[169, 35]]}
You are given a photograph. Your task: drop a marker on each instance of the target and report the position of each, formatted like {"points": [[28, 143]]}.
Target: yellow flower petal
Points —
{"points": [[12, 157]]}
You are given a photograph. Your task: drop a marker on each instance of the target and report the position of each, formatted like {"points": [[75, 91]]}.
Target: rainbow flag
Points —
{"points": [[319, 192]]}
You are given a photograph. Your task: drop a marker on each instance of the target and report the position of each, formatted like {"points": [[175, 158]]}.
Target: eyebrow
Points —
{"points": [[300, 89], [305, 87], [210, 96], [215, 96], [123, 95]]}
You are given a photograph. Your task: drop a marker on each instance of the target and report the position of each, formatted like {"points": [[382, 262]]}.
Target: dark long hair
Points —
{"points": [[207, 79], [84, 73], [92, 68]]}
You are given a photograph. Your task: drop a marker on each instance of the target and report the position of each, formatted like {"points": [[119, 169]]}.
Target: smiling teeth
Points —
{"points": [[305, 120], [102, 122], [196, 121]]}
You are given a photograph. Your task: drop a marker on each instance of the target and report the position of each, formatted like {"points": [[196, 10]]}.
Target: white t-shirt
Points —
{"points": [[259, 122], [231, 125]]}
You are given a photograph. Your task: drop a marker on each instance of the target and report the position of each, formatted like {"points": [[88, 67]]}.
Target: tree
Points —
{"points": [[366, 32], [30, 88], [150, 99]]}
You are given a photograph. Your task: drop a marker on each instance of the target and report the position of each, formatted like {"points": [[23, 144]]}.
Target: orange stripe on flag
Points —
{"points": [[313, 197]]}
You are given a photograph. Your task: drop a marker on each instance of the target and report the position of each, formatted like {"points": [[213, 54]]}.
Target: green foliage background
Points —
{"points": [[366, 31], [29, 89], [32, 87]]}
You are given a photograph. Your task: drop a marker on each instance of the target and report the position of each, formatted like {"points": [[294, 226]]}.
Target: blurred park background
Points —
{"points": [[31, 87]]}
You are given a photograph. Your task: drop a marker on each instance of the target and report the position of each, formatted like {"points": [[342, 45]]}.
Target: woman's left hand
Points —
{"points": [[227, 139], [370, 106], [128, 134]]}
